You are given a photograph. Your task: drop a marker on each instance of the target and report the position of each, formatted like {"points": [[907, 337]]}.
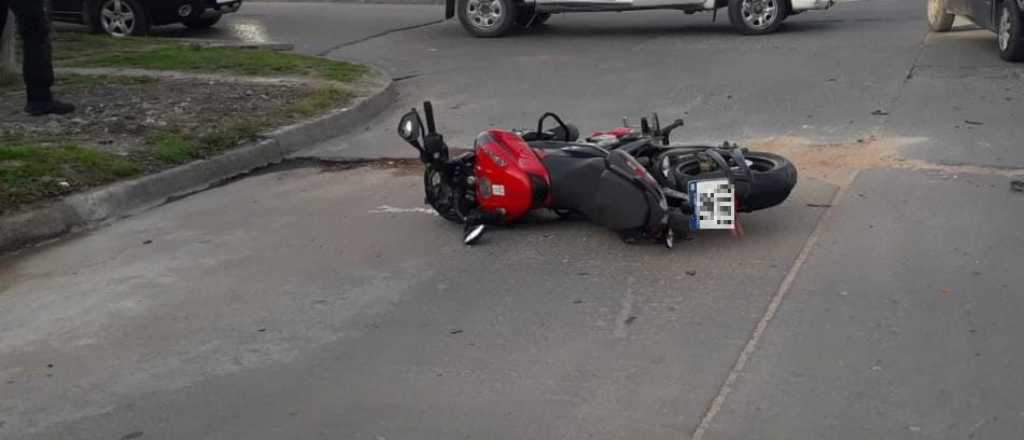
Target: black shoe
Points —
{"points": [[55, 107]]}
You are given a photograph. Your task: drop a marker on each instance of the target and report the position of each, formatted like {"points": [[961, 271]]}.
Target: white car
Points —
{"points": [[494, 18]]}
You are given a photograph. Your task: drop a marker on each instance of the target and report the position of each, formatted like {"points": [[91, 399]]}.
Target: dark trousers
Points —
{"points": [[34, 27]]}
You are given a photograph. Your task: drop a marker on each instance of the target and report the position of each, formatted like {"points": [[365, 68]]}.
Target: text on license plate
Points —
{"points": [[713, 203]]}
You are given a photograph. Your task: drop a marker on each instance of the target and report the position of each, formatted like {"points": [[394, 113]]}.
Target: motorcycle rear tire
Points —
{"points": [[773, 178]]}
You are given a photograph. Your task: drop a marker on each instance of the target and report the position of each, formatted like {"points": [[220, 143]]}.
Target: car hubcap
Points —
{"points": [[117, 18], [1005, 29], [485, 14], [759, 14]]}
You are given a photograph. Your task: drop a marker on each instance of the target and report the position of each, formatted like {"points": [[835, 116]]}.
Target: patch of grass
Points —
{"points": [[79, 45], [30, 171], [176, 148], [231, 135], [227, 60], [320, 100], [173, 148]]}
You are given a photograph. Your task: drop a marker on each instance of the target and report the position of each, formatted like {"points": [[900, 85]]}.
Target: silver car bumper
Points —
{"points": [[806, 5]]}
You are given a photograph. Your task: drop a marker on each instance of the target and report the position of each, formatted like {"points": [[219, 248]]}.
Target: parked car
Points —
{"points": [[1000, 16], [134, 17], [494, 18]]}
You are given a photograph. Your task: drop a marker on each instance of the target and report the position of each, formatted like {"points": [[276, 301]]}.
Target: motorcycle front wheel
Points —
{"points": [[446, 199]]}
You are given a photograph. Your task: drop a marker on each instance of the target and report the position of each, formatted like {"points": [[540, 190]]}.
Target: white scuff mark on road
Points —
{"points": [[387, 209], [621, 323]]}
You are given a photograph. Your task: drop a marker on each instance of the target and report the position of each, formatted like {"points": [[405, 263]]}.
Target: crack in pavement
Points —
{"points": [[377, 35]]}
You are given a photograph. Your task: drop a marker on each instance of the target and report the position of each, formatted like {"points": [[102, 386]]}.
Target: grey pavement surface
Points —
{"points": [[822, 77], [304, 313], [904, 323], [314, 28], [310, 304]]}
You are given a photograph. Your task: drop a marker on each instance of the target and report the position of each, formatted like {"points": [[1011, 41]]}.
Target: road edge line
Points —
{"points": [[769, 314]]}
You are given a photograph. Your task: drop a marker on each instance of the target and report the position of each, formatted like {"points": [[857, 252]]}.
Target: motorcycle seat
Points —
{"points": [[575, 149]]}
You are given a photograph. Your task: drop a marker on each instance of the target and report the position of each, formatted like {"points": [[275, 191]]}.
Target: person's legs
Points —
{"points": [[34, 28], [4, 5]]}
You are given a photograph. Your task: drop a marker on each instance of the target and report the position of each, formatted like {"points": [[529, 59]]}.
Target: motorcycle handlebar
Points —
{"points": [[428, 111]]}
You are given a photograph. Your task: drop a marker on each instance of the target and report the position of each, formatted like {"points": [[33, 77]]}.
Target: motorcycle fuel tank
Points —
{"points": [[511, 180]]}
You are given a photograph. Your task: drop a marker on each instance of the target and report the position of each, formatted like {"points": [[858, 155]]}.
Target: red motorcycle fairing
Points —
{"points": [[511, 180]]}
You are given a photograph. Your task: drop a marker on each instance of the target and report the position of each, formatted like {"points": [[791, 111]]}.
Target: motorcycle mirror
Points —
{"points": [[410, 128]]}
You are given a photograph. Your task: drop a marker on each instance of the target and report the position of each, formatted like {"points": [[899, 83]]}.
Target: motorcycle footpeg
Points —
{"points": [[472, 233]]}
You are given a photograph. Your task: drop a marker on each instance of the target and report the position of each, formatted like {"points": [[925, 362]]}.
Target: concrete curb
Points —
{"points": [[122, 199]]}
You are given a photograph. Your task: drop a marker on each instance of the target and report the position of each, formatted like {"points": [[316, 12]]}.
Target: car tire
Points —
{"points": [[939, 20], [201, 22], [1010, 31], [119, 18], [487, 18], [757, 17]]}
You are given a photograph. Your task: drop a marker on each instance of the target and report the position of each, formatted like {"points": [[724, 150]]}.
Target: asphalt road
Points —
{"points": [[328, 304]]}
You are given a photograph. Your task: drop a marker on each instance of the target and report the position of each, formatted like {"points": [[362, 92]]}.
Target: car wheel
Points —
{"points": [[120, 18], [487, 18], [1011, 32], [756, 17], [201, 22], [938, 19]]}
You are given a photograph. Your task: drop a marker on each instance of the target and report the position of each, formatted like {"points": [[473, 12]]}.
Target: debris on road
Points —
{"points": [[819, 205], [147, 242], [880, 113], [455, 331], [691, 273], [630, 320], [973, 123], [577, 301], [1017, 186]]}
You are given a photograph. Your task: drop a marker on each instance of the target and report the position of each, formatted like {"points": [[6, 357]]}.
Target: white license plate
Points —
{"points": [[714, 204]]}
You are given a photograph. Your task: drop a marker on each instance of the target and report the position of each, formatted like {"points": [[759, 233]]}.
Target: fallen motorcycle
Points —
{"points": [[761, 180], [631, 181]]}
